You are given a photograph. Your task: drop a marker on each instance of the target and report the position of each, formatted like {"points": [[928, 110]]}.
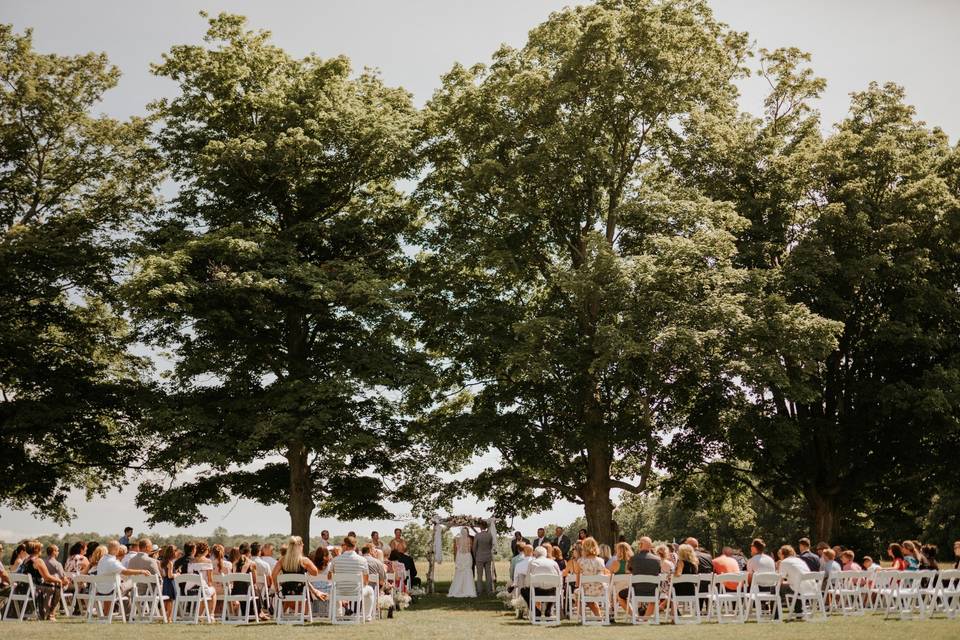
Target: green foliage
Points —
{"points": [[274, 279], [72, 186]]}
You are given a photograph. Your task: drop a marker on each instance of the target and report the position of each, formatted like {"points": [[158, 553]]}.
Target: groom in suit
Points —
{"points": [[483, 559], [562, 541]]}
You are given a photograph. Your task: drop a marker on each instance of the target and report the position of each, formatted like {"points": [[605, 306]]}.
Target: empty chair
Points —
{"points": [[644, 590], [730, 597], [192, 599], [347, 590], [691, 602], [949, 592], [146, 599], [81, 592], [239, 598], [764, 597], [601, 599], [850, 594], [22, 595], [550, 587], [104, 599], [292, 602]]}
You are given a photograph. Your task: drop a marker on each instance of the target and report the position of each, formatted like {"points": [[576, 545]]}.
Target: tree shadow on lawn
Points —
{"points": [[439, 600]]}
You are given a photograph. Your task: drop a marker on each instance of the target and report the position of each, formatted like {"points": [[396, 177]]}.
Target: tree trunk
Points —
{"points": [[825, 510], [300, 503], [597, 506]]}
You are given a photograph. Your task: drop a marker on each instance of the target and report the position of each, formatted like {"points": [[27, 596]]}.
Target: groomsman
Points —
{"points": [[541, 538], [518, 540], [563, 542]]}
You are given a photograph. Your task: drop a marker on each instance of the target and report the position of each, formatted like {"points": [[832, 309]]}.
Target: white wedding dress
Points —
{"points": [[463, 585]]}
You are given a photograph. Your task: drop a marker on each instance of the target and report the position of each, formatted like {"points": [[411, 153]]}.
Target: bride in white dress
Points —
{"points": [[463, 585]]}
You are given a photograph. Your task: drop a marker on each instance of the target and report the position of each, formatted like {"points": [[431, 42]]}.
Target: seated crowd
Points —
{"points": [[586, 557], [126, 557]]}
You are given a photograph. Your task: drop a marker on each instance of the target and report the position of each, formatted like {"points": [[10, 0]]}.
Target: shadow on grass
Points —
{"points": [[439, 600]]}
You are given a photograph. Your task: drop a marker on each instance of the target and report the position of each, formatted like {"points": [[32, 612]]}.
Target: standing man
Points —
{"points": [[563, 542], [375, 540], [516, 545], [541, 538], [483, 559], [325, 539], [125, 538]]}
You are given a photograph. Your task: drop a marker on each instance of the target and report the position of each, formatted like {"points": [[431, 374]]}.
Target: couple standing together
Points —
{"points": [[470, 551]]}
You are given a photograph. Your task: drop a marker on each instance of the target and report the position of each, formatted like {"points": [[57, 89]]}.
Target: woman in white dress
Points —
{"points": [[463, 585]]}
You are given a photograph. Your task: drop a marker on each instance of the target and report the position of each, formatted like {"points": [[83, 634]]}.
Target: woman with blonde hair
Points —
{"points": [[591, 565], [619, 564], [605, 553], [687, 564], [221, 567], [294, 561], [95, 559]]}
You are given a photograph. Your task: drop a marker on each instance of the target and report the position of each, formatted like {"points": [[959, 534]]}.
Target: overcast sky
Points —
{"points": [[413, 42]]}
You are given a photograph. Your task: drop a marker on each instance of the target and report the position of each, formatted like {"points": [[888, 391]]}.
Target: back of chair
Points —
{"points": [[20, 583], [950, 579], [731, 582], [545, 581], [686, 578], [811, 582], [146, 585], [188, 584], [292, 578], [230, 579], [765, 580], [107, 585], [346, 585]]}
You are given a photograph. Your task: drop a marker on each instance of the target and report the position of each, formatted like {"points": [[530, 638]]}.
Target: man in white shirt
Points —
{"points": [[792, 569], [110, 566], [266, 555], [349, 562], [325, 539], [541, 564], [759, 562]]}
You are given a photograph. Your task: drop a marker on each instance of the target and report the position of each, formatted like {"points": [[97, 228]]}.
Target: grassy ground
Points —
{"points": [[445, 618]]}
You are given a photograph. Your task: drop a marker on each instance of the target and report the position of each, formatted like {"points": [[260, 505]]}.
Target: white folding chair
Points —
{"points": [[638, 596], [346, 588], [764, 596], [707, 591], [545, 582], [146, 599], [905, 597], [298, 600], [262, 590], [569, 589], [849, 595], [68, 595], [928, 592], [81, 592], [690, 601], [21, 595], [602, 600], [245, 601], [881, 589], [949, 592], [104, 598], [192, 599], [618, 583], [730, 597], [810, 598]]}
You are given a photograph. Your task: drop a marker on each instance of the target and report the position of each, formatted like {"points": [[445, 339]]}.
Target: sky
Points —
{"points": [[412, 43]]}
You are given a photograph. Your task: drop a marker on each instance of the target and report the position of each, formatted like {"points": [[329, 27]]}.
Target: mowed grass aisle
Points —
{"points": [[439, 617]]}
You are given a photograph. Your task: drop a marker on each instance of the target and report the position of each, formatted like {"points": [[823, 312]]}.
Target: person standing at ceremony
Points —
{"points": [[563, 541], [375, 540], [541, 538], [483, 559], [125, 538], [325, 539], [517, 542]]}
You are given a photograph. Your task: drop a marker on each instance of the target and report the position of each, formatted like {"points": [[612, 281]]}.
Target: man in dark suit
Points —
{"points": [[562, 541], [517, 540], [644, 563], [809, 557], [541, 538]]}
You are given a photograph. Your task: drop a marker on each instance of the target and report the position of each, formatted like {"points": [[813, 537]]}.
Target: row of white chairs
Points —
{"points": [[140, 599], [729, 597]]}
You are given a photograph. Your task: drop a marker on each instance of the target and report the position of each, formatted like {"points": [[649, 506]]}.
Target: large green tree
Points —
{"points": [[273, 278], [72, 185], [863, 229], [583, 305]]}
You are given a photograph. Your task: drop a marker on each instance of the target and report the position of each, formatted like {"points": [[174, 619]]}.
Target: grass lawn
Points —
{"points": [[443, 618]]}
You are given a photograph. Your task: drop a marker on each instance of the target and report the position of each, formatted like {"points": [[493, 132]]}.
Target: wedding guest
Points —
{"points": [[325, 539], [375, 567], [409, 565], [95, 559], [687, 564], [517, 541], [110, 565], [573, 564], [868, 564], [262, 568], [169, 589], [520, 571], [562, 540], [582, 535], [221, 567], [541, 538], [911, 555], [349, 562], [558, 558], [619, 564], [759, 562], [792, 568], [53, 565], [897, 561], [46, 585], [667, 566], [847, 561], [321, 560], [956, 554], [126, 537], [724, 563], [77, 561], [91, 547], [704, 564], [185, 560], [643, 563], [591, 565], [929, 553], [266, 554], [605, 553], [142, 560], [17, 557], [830, 564], [541, 564], [375, 540], [808, 557]]}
